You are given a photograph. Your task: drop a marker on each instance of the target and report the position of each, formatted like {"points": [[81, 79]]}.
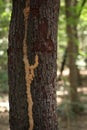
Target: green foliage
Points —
{"points": [[3, 81], [5, 12], [62, 40], [80, 18]]}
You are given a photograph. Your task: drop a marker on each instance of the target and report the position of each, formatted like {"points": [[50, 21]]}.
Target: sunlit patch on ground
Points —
{"points": [[4, 104], [4, 115]]}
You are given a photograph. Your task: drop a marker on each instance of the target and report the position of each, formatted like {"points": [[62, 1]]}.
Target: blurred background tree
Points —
{"points": [[72, 44], [72, 62], [73, 10], [81, 30]]}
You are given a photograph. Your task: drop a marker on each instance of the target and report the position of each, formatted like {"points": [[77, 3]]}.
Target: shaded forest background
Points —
{"points": [[72, 44]]}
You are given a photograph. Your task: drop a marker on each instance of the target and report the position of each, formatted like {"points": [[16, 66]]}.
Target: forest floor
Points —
{"points": [[67, 119], [69, 122], [4, 114]]}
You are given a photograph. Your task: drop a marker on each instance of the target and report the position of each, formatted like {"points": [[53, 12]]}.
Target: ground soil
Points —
{"points": [[70, 121]]}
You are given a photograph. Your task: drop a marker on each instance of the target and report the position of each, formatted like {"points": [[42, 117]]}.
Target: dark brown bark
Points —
{"points": [[41, 40]]}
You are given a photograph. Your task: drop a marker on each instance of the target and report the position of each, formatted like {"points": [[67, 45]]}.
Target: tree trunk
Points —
{"points": [[40, 39], [71, 29]]}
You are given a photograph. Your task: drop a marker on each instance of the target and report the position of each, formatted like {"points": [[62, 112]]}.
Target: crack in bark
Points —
{"points": [[29, 69]]}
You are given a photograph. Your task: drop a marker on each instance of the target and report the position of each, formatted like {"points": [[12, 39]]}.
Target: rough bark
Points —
{"points": [[41, 40]]}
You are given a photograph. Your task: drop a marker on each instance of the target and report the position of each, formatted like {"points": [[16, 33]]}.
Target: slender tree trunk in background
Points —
{"points": [[71, 29], [79, 82], [73, 70], [41, 40]]}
